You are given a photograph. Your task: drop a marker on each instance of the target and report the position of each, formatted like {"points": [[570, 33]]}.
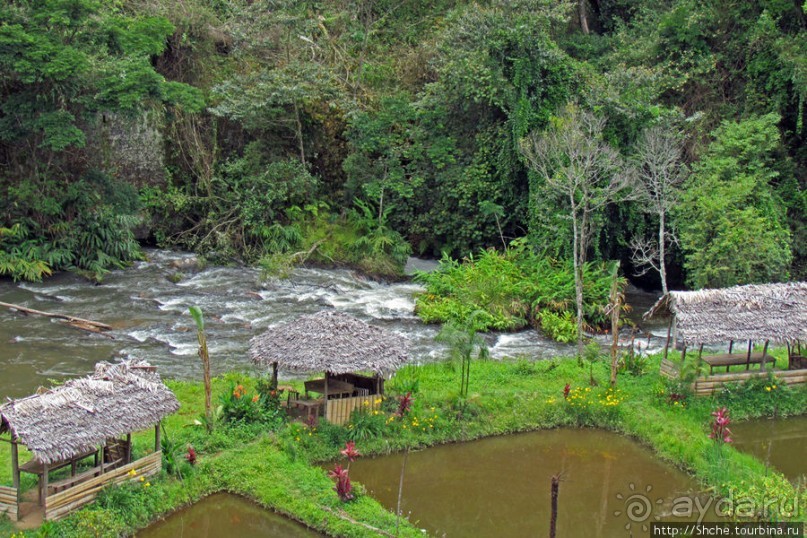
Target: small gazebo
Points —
{"points": [[763, 313], [90, 417], [342, 347]]}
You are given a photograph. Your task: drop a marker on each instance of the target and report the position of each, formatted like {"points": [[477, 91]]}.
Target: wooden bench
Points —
{"points": [[70, 481], [737, 359]]}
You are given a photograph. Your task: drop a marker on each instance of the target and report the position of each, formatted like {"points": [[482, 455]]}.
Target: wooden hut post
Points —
{"points": [[157, 437], [43, 485], [325, 411], [764, 354], [667, 343], [15, 467], [731, 346], [273, 383], [128, 448], [748, 356]]}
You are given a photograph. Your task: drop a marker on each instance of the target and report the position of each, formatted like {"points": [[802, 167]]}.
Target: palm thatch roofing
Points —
{"points": [[775, 312], [80, 415], [332, 342]]}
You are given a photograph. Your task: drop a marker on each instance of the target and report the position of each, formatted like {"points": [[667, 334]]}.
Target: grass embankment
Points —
{"points": [[505, 397]]}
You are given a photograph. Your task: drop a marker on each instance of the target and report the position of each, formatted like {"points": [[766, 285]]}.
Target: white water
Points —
{"points": [[151, 320]]}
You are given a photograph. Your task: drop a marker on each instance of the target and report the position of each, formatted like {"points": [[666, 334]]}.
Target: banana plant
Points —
{"points": [[196, 314]]}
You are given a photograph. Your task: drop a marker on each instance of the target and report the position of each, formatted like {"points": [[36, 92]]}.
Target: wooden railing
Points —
{"points": [[339, 410], [60, 504], [708, 384], [712, 383], [8, 502]]}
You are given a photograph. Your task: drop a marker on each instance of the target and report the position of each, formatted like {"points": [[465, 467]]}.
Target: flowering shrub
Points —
{"points": [[589, 405], [238, 406]]}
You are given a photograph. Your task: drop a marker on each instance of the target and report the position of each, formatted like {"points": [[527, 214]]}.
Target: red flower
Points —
{"points": [[566, 390], [350, 451], [191, 455]]}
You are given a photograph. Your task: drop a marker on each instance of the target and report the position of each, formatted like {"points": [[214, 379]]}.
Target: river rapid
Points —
{"points": [[150, 317]]}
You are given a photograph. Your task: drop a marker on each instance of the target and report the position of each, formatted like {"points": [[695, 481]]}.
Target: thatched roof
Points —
{"points": [[78, 416], [775, 312], [330, 341]]}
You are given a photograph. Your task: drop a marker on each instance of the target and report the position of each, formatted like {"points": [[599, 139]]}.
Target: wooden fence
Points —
{"points": [[61, 504], [8, 502], [339, 410], [709, 384]]}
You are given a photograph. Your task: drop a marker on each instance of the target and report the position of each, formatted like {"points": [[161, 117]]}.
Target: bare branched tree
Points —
{"points": [[577, 164], [660, 171]]}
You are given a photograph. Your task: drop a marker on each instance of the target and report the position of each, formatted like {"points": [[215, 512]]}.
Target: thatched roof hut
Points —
{"points": [[761, 312], [332, 342], [80, 415]]}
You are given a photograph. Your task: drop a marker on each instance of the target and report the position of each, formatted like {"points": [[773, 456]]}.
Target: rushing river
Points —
{"points": [[150, 317]]}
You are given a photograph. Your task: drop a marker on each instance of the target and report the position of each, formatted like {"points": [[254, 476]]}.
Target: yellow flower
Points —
{"points": [[768, 389], [132, 473], [147, 485], [142, 479]]}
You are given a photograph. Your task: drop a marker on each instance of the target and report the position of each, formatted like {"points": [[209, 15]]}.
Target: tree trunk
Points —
{"points": [[581, 7], [661, 253], [578, 281], [299, 132]]}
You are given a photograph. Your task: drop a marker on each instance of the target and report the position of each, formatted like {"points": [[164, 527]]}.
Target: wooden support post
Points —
{"points": [[731, 346], [553, 515], [128, 448], [15, 469], [325, 412], [43, 485], [764, 354], [157, 437], [273, 383], [667, 343], [748, 356]]}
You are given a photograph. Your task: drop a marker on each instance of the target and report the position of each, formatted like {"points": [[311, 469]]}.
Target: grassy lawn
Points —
{"points": [[274, 464]]}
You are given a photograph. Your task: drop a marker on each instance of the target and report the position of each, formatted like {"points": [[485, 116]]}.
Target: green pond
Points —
{"points": [[501, 486], [223, 515], [779, 442]]}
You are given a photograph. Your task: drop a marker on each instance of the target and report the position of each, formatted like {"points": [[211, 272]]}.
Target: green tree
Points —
{"points": [[67, 68], [731, 220], [584, 173]]}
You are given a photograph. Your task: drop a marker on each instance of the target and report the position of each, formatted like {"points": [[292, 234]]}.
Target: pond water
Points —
{"points": [[501, 486], [778, 442], [222, 515], [149, 314]]}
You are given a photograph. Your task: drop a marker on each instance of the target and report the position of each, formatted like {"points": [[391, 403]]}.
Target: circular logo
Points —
{"points": [[637, 507]]}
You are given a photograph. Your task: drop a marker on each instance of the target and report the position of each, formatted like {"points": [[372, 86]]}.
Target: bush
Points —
{"points": [[511, 290], [365, 424]]}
